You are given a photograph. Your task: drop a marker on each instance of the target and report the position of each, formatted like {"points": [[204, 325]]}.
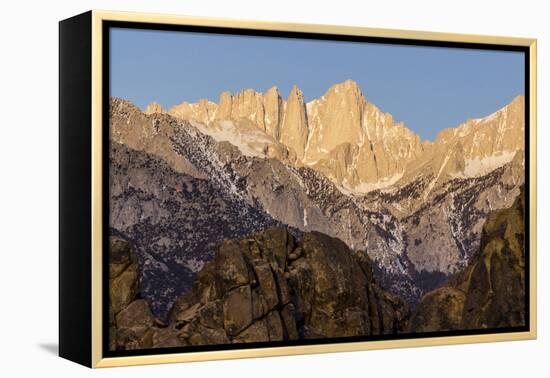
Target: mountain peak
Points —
{"points": [[247, 92], [296, 91], [347, 86], [294, 128], [519, 99], [273, 90], [154, 107]]}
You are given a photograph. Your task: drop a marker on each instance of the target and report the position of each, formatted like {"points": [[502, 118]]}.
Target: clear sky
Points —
{"points": [[428, 88]]}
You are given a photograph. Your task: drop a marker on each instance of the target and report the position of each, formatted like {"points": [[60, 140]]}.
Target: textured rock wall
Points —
{"points": [[270, 288]]}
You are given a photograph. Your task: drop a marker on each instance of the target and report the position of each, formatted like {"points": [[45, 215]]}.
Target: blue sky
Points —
{"points": [[428, 88]]}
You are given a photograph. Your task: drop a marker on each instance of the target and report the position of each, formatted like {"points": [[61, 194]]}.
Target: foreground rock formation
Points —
{"points": [[131, 324], [270, 288], [490, 292], [267, 287]]}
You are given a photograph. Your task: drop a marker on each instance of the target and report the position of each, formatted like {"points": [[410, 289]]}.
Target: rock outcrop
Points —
{"points": [[264, 110], [294, 129], [490, 292], [131, 323], [269, 287], [274, 107], [247, 104], [354, 143]]}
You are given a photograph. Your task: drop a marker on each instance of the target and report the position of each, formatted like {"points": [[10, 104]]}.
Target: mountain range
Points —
{"points": [[352, 141], [185, 179]]}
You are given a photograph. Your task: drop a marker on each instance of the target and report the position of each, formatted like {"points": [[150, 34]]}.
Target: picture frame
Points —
{"points": [[85, 124]]}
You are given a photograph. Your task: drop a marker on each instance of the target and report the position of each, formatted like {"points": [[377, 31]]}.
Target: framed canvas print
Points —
{"points": [[234, 188]]}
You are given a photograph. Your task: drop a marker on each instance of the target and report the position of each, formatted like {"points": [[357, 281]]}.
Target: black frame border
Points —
{"points": [[75, 182], [106, 27]]}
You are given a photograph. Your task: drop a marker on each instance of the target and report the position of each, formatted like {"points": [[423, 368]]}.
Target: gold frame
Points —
{"points": [[97, 354]]}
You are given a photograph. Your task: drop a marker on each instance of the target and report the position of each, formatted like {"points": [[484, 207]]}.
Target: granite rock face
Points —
{"points": [[203, 111], [123, 276], [354, 143], [294, 129], [439, 310], [269, 287]]}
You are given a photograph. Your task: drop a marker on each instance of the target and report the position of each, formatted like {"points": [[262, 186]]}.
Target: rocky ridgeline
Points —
{"points": [[490, 292], [354, 143], [266, 287]]}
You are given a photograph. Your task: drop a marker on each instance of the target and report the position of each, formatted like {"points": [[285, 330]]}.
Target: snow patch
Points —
{"points": [[490, 117], [250, 142], [480, 167], [431, 185], [365, 187]]}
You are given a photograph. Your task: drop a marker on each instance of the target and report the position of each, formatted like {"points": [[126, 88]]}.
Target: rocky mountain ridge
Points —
{"points": [[355, 144]]}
